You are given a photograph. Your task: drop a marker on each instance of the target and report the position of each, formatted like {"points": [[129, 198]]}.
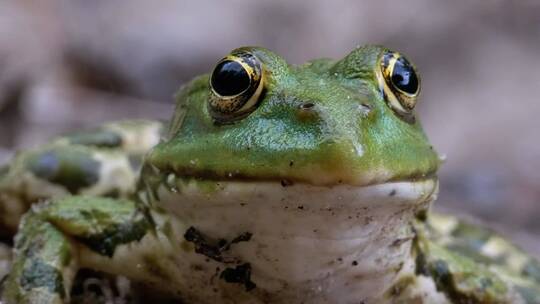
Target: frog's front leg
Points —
{"points": [[57, 239]]}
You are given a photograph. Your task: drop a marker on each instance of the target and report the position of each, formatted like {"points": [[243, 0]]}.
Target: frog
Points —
{"points": [[271, 183]]}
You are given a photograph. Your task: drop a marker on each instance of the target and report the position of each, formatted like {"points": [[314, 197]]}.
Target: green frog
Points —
{"points": [[272, 183]]}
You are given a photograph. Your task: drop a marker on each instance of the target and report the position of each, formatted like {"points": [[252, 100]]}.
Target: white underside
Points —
{"points": [[310, 244]]}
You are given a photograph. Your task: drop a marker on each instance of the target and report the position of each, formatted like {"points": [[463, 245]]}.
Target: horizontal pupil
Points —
{"points": [[404, 77], [230, 78]]}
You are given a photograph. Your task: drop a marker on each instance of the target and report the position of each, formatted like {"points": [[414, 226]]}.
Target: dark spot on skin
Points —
{"points": [[301, 207], [73, 169], [421, 265], [486, 283], [222, 243], [114, 193], [41, 275], [135, 162], [532, 270], [393, 192], [213, 251], [422, 215], [96, 138], [368, 220], [106, 242], [201, 245], [441, 273], [286, 183], [244, 237], [354, 263], [241, 274], [78, 285]]}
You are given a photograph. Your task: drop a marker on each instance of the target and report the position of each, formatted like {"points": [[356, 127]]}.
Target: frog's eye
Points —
{"points": [[399, 82], [236, 84]]}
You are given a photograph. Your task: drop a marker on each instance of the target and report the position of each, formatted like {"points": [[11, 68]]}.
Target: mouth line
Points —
{"points": [[286, 182], [396, 189]]}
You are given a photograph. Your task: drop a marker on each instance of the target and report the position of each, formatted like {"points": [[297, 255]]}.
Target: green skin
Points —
{"points": [[324, 123]]}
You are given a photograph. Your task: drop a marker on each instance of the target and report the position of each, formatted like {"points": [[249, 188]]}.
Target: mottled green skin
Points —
{"points": [[466, 270], [321, 123], [99, 223], [72, 164]]}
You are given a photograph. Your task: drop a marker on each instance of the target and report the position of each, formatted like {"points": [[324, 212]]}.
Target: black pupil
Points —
{"points": [[230, 78], [404, 77]]}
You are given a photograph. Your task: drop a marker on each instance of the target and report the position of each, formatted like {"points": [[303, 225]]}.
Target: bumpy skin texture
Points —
{"points": [[321, 126], [472, 264], [101, 162]]}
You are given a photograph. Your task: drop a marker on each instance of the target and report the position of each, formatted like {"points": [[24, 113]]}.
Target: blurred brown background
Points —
{"points": [[69, 64]]}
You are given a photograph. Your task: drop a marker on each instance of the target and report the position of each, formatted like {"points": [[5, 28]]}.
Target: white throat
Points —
{"points": [[309, 244]]}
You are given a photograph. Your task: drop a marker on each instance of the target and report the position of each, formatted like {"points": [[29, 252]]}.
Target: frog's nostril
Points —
{"points": [[306, 106], [307, 111], [364, 109]]}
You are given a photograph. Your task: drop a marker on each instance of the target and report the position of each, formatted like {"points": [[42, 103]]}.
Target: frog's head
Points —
{"points": [[330, 152], [256, 118]]}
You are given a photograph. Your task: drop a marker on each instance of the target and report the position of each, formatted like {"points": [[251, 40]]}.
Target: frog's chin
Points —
{"points": [[309, 242], [301, 210]]}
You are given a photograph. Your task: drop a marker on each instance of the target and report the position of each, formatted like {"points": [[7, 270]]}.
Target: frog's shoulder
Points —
{"points": [[473, 264]]}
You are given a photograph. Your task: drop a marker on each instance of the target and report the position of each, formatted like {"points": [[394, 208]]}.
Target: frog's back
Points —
{"points": [[103, 161], [472, 264]]}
